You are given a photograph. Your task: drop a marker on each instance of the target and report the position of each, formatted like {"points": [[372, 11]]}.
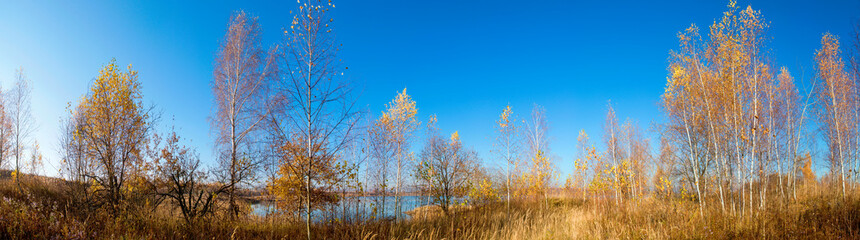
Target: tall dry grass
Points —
{"points": [[43, 208]]}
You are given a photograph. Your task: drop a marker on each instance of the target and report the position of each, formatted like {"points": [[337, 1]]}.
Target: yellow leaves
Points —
{"points": [[402, 108], [678, 72], [455, 138], [483, 191], [541, 173], [297, 166], [505, 118], [111, 130], [94, 186], [398, 121], [113, 93]]}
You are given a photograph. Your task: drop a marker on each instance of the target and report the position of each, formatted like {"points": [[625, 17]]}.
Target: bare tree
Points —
{"points": [[541, 166], [36, 162], [73, 164], [20, 118], [316, 113], [241, 72], [5, 129], [638, 159], [446, 166], [382, 151], [178, 177]]}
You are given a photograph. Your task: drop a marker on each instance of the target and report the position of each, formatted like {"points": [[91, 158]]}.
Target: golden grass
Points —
{"points": [[44, 208]]}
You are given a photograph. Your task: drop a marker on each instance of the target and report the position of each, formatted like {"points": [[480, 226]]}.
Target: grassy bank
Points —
{"points": [[43, 208]]}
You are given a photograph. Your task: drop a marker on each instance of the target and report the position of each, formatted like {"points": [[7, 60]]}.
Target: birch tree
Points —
{"points": [[507, 147], [721, 100], [382, 152], [400, 114], [242, 71], [74, 166], [541, 167], [838, 98], [580, 164], [447, 166], [20, 117], [314, 110], [614, 152]]}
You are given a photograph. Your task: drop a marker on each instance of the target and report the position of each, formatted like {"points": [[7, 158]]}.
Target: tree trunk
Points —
{"points": [[308, 204]]}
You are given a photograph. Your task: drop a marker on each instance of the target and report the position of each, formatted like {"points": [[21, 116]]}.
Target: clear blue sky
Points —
{"points": [[461, 60]]}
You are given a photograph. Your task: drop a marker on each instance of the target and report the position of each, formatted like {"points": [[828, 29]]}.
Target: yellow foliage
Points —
{"points": [[483, 191], [323, 171], [540, 176], [113, 131]]}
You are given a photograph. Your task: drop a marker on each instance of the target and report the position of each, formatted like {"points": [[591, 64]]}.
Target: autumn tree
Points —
{"points": [[789, 118], [664, 167], [179, 178], [20, 118], [112, 131], [328, 173], [314, 113], [638, 159], [579, 176], [507, 147], [446, 166], [601, 178], [541, 166], [838, 106], [242, 69], [484, 186], [382, 152], [680, 128], [395, 128], [722, 103], [614, 152]]}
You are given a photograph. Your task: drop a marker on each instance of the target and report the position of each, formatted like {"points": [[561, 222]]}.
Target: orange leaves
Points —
{"points": [[838, 100], [831, 68]]}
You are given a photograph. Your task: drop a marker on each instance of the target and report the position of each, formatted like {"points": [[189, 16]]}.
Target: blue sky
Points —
{"points": [[461, 60]]}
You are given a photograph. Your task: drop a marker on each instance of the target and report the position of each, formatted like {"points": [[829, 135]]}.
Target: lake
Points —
{"points": [[354, 206]]}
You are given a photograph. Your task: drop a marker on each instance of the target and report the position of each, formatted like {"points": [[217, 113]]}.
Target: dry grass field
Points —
{"points": [[44, 208]]}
